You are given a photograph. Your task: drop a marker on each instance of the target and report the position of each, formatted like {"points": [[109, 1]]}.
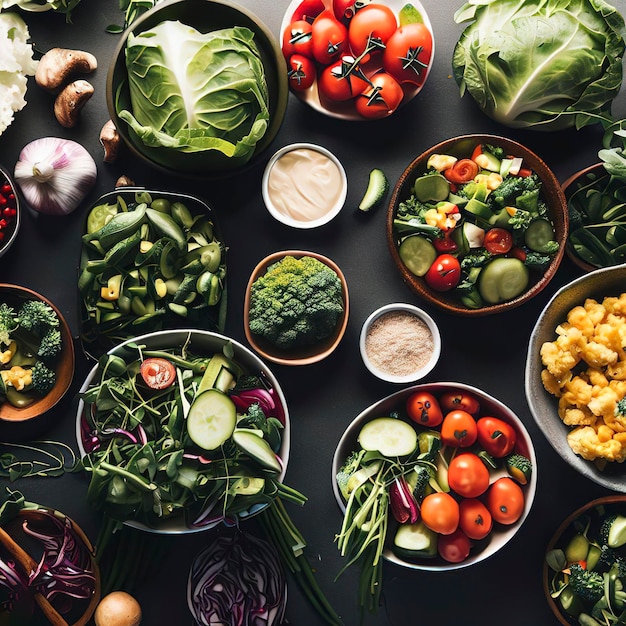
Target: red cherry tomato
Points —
{"points": [[496, 436], [475, 521], [455, 547], [344, 10], [505, 500], [371, 27], [308, 10], [458, 429], [298, 39], [444, 274], [330, 38], [440, 512], [468, 476], [498, 241], [408, 52], [445, 243], [462, 171], [301, 72], [158, 373], [452, 400], [381, 98], [342, 80], [423, 408]]}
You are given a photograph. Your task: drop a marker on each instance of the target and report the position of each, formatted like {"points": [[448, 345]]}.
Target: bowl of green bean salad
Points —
{"points": [[182, 430]]}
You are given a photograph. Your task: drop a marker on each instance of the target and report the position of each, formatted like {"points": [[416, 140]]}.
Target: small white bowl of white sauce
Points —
{"points": [[304, 185], [400, 343]]}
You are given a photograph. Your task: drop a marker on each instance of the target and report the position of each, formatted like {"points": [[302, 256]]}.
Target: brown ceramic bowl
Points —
{"points": [[64, 365], [462, 147], [302, 356], [591, 512], [584, 177]]}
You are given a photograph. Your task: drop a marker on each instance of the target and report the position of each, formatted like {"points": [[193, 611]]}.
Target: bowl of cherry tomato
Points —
{"points": [[455, 467], [355, 59], [477, 225], [10, 211]]}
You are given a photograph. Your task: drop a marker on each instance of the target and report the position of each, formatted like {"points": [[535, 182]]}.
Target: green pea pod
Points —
{"points": [[167, 227], [182, 215], [216, 291], [122, 251], [119, 227], [185, 289]]}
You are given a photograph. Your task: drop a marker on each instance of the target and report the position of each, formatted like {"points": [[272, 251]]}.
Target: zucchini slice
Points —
{"points": [[389, 436], [212, 419]]}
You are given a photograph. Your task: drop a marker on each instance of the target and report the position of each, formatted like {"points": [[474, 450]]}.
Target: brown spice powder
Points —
{"points": [[399, 343]]}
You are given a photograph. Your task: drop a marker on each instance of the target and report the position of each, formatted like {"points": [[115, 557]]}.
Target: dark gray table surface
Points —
{"points": [[322, 398]]}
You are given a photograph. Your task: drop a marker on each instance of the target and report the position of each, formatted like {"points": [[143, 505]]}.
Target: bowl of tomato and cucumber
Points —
{"points": [[456, 466], [357, 60], [477, 225]]}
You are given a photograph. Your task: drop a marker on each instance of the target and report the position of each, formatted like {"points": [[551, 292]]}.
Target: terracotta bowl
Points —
{"points": [[301, 356], [64, 366], [461, 147], [9, 201]]}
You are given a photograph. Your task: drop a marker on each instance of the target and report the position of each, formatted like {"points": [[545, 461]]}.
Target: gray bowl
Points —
{"points": [[610, 281]]}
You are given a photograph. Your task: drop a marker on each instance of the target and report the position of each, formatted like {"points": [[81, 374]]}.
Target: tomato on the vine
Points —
{"points": [[498, 241], [451, 400], [444, 274], [454, 547], [459, 429], [382, 97], [496, 436], [423, 408], [330, 38], [408, 52], [475, 519], [371, 27], [308, 10], [440, 512], [301, 72], [342, 80], [298, 39], [505, 500], [468, 476]]}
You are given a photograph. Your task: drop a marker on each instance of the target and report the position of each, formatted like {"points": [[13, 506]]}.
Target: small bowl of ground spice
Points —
{"points": [[400, 343]]}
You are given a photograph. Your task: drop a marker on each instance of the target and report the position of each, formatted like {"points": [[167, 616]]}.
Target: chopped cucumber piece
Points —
{"points": [[417, 253], [415, 541], [377, 188], [502, 279], [389, 436], [431, 188], [212, 419], [539, 235], [257, 448]]}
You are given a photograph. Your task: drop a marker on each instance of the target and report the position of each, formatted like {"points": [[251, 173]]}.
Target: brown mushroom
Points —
{"points": [[110, 140], [124, 181], [57, 67], [118, 608], [70, 101]]}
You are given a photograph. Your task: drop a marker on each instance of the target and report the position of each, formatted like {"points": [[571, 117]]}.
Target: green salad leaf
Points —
{"points": [[195, 92], [540, 64]]}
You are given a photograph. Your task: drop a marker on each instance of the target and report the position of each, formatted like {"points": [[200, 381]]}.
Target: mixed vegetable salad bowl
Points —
{"points": [[182, 430], [448, 470], [477, 225], [36, 354], [572, 378], [583, 571], [197, 87], [296, 307], [10, 211]]}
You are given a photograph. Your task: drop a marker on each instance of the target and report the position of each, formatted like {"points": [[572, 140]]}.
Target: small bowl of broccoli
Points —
{"points": [[36, 354], [296, 307]]}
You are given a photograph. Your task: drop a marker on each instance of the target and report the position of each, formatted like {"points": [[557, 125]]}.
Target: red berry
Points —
{"points": [[6, 188]]}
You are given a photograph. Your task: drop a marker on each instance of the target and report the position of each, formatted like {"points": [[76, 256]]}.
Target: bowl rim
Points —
{"points": [[505, 533], [4, 248], [418, 374], [286, 219], [276, 116], [65, 367], [178, 528], [311, 356], [416, 284]]}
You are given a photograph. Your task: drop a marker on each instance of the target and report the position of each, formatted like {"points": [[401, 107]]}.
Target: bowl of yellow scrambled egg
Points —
{"points": [[576, 375]]}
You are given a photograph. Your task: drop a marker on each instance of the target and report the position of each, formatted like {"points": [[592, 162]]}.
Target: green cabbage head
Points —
{"points": [[540, 64], [195, 92]]}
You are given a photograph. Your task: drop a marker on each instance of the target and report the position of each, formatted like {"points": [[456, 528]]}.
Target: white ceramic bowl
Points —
{"points": [[200, 343], [300, 185], [415, 374]]}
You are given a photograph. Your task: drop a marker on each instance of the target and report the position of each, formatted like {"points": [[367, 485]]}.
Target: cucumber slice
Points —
{"points": [[377, 188], [415, 541], [211, 420], [539, 235], [256, 447], [417, 253], [502, 279], [389, 436]]}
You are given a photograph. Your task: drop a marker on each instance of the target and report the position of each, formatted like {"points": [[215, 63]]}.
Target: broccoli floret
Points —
{"points": [[411, 207], [8, 323], [497, 151], [520, 220], [37, 317], [50, 345], [349, 467], [297, 302], [43, 378], [620, 407], [536, 260], [476, 258], [588, 585], [512, 187], [613, 531]]}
